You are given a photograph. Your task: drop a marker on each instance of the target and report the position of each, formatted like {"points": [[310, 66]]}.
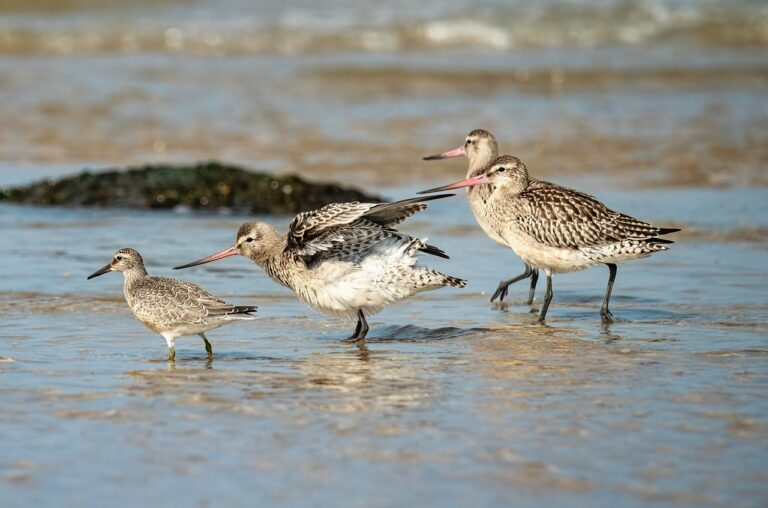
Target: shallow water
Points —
{"points": [[659, 108], [454, 401]]}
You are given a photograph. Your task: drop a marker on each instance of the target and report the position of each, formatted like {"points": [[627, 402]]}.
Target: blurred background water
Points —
{"points": [[657, 107]]}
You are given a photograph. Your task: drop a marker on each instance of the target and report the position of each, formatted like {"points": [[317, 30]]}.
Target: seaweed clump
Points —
{"points": [[203, 186]]}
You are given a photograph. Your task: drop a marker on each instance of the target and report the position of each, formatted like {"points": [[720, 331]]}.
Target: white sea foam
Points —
{"points": [[330, 26]]}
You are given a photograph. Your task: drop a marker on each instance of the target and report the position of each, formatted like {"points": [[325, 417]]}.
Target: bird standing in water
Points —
{"points": [[481, 149], [171, 307], [557, 229], [344, 259]]}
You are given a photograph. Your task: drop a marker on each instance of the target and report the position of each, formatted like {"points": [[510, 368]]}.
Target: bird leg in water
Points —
{"points": [[534, 280], [503, 289], [605, 314], [171, 354], [361, 330], [208, 348], [547, 299]]}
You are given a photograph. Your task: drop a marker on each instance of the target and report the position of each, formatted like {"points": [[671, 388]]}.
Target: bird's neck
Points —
{"points": [[272, 258], [134, 276], [481, 162], [511, 190]]}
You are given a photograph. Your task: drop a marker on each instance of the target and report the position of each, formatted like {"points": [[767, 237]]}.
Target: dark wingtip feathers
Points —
{"points": [[436, 196], [435, 251], [420, 199], [666, 231]]}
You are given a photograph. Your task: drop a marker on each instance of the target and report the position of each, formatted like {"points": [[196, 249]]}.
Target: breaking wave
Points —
{"points": [[325, 27]]}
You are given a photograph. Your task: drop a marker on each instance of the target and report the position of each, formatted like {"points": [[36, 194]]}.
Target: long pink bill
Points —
{"points": [[232, 251], [456, 152], [469, 182]]}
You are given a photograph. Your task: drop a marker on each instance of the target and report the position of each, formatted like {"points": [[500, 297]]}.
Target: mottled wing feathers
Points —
{"points": [[349, 228], [323, 222], [392, 214], [562, 217], [346, 240], [166, 302]]}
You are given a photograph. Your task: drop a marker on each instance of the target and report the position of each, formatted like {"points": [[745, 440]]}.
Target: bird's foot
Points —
{"points": [[500, 293], [605, 316]]}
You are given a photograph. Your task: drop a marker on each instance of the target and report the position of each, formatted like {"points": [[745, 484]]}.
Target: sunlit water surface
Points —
{"points": [[454, 401]]}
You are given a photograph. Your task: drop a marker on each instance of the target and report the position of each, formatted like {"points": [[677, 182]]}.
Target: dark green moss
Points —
{"points": [[205, 186]]}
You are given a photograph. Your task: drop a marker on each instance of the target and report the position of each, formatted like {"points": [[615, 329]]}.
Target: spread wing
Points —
{"points": [[346, 228], [171, 301], [563, 217]]}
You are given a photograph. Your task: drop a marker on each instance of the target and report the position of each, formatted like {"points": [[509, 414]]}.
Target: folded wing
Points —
{"points": [[563, 217], [174, 302]]}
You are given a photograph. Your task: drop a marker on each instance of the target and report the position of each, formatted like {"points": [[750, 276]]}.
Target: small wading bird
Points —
{"points": [[171, 307], [481, 149], [559, 230], [344, 259]]}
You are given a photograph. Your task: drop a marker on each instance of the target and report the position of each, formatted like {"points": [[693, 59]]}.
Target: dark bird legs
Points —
{"points": [[605, 314], [361, 330], [547, 299], [208, 348], [503, 289]]}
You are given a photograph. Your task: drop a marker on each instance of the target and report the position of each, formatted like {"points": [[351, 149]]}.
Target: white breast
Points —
{"points": [[478, 208], [340, 287]]}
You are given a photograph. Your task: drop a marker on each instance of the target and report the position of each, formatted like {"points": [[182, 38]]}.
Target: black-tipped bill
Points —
{"points": [[232, 251], [469, 182], [102, 271], [456, 152]]}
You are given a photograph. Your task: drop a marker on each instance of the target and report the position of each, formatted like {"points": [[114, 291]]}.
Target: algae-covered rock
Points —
{"points": [[208, 186]]}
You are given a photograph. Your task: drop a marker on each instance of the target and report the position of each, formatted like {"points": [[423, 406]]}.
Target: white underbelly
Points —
{"points": [[339, 288], [547, 258]]}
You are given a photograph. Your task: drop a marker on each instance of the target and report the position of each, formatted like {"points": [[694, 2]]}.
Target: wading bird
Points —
{"points": [[481, 149], [344, 259], [557, 229], [171, 307]]}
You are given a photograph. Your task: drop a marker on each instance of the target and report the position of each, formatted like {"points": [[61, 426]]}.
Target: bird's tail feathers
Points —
{"points": [[455, 281], [242, 312]]}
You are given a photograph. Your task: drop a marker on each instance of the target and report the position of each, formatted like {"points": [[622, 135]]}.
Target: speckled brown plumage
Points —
{"points": [[557, 229], [481, 149], [557, 216], [351, 229], [171, 307], [344, 259]]}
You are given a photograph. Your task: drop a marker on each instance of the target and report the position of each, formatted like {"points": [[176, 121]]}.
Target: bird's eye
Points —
{"points": [[249, 240], [501, 170], [119, 258]]}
